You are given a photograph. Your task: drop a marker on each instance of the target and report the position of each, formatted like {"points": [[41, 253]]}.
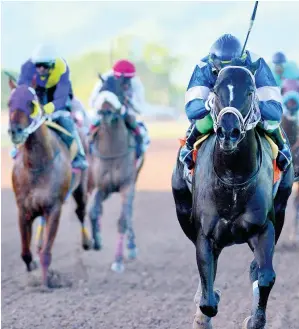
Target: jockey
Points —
{"points": [[122, 80], [227, 51], [49, 75], [283, 69], [290, 98]]}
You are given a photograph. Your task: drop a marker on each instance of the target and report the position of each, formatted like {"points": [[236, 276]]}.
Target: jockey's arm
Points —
{"points": [[27, 73], [131, 122], [62, 91], [138, 98], [269, 97], [197, 92]]}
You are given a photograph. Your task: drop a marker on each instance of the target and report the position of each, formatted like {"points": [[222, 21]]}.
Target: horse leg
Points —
{"points": [[263, 251], [124, 222], [281, 200], [25, 226], [80, 197], [52, 222], [183, 202], [39, 234], [127, 211], [207, 258], [95, 214]]}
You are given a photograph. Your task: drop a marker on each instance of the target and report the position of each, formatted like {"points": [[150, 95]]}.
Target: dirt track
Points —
{"points": [[155, 291]]}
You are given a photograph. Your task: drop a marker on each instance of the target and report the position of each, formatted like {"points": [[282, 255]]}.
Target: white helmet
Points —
{"points": [[44, 53]]}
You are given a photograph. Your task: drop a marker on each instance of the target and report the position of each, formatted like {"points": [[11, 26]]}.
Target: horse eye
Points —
{"points": [[250, 93]]}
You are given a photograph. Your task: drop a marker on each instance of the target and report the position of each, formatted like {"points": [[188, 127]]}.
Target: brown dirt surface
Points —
{"points": [[157, 289]]}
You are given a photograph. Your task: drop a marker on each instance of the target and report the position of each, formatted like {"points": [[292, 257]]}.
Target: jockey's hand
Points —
{"points": [[49, 108], [209, 104]]}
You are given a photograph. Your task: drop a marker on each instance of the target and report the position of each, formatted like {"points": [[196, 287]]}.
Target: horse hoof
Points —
{"points": [[33, 265], [97, 246], [201, 321], [87, 245], [132, 253], [246, 323], [118, 267], [209, 310]]}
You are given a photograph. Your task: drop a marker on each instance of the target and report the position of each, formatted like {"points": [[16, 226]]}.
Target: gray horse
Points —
{"points": [[113, 169]]}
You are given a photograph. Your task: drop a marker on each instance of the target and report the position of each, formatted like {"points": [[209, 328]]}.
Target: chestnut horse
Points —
{"points": [[42, 177]]}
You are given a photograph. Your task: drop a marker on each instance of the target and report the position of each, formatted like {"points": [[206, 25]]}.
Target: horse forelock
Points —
{"points": [[21, 98], [233, 79], [107, 97]]}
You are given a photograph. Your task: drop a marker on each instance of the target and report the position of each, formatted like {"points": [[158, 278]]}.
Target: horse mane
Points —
{"points": [[106, 96]]}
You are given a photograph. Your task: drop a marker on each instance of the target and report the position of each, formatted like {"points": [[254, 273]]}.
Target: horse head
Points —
{"points": [[24, 113], [233, 106], [108, 107]]}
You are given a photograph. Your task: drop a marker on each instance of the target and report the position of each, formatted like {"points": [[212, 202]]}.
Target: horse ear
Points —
{"points": [[12, 84], [100, 76]]}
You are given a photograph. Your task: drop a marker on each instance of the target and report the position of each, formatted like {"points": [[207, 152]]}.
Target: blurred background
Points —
{"points": [[164, 39]]}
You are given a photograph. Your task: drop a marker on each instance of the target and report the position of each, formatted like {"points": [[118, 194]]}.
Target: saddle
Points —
{"points": [[65, 136]]}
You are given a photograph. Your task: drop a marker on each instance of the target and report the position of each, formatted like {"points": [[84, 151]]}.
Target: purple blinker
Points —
{"points": [[21, 99]]}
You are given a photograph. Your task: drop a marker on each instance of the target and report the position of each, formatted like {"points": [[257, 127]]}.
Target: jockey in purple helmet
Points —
{"points": [[227, 51], [49, 74]]}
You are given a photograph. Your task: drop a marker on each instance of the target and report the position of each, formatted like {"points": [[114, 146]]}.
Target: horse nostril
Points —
{"points": [[220, 133], [235, 134]]}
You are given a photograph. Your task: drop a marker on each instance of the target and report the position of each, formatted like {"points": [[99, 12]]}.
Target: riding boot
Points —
{"points": [[133, 126], [284, 157], [186, 154], [80, 159], [68, 123]]}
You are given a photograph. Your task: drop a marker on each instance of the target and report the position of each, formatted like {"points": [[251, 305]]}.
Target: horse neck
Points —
{"points": [[239, 165], [112, 139], [38, 150]]}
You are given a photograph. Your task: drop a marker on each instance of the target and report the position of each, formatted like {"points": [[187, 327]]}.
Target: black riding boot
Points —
{"points": [[186, 154]]}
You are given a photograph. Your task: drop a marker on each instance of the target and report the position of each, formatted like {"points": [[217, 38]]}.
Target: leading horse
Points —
{"points": [[42, 178], [114, 168], [231, 197]]}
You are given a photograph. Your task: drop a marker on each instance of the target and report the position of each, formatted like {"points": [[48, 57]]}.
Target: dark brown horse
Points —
{"points": [[290, 123], [42, 178]]}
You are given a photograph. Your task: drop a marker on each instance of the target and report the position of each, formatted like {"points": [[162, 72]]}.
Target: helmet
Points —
{"points": [[44, 53], [224, 50], [124, 68], [279, 58]]}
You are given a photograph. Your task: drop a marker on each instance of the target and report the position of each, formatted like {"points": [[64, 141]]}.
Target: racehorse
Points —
{"points": [[230, 200], [113, 169], [290, 123], [42, 178]]}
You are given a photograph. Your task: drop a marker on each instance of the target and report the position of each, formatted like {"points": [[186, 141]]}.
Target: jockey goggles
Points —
{"points": [[219, 64]]}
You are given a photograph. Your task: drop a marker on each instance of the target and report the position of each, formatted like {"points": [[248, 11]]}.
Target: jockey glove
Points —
{"points": [[49, 108]]}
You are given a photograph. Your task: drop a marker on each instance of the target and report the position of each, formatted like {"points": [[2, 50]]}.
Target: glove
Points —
{"points": [[49, 108], [209, 104]]}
